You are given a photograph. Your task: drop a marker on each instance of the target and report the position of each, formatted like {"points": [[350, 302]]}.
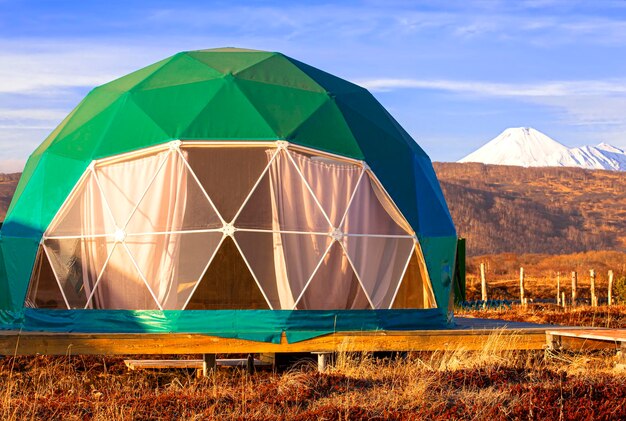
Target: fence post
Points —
{"points": [[592, 281], [521, 285], [610, 300], [574, 285], [558, 288], [563, 299], [483, 283]]}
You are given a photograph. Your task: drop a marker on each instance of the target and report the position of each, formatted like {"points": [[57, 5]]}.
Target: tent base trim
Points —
{"points": [[252, 325]]}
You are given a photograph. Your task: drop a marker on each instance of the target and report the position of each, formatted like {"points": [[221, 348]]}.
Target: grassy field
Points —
{"points": [[492, 384]]}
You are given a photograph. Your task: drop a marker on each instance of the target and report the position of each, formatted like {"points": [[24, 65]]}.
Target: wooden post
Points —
{"points": [[563, 299], [323, 358], [610, 300], [558, 288], [574, 286], [209, 364], [483, 283], [250, 364], [521, 285], [592, 281]]}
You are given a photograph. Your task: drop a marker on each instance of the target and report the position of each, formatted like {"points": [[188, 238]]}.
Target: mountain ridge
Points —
{"points": [[528, 147]]}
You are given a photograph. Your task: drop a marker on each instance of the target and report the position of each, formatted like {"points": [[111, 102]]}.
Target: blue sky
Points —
{"points": [[453, 73]]}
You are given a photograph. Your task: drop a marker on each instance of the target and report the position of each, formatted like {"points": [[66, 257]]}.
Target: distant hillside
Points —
{"points": [[8, 182], [507, 209]]}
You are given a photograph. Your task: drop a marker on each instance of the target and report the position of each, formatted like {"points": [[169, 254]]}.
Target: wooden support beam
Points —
{"points": [[32, 343], [209, 364], [323, 359], [250, 364], [553, 342]]}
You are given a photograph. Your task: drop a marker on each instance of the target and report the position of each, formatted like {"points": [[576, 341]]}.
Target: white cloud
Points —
{"points": [[547, 89], [32, 114], [51, 67], [595, 106]]}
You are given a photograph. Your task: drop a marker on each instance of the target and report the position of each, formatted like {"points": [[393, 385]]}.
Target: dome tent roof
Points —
{"points": [[225, 94]]}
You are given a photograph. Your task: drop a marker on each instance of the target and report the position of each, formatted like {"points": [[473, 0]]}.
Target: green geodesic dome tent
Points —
{"points": [[231, 192]]}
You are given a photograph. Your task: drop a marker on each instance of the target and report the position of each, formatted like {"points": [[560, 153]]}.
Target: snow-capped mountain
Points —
{"points": [[527, 147]]}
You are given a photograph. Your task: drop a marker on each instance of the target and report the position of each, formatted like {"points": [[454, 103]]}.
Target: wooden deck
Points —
{"points": [[586, 338], [469, 334]]}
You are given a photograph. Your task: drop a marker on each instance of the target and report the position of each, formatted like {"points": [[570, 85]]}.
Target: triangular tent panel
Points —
{"points": [[224, 177], [345, 292]]}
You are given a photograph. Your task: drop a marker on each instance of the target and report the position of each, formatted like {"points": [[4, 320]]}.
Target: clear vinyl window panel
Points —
{"points": [[205, 226]]}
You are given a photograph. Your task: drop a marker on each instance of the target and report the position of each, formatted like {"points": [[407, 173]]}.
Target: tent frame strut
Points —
{"points": [[279, 146]]}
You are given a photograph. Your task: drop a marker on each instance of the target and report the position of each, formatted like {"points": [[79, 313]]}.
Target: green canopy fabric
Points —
{"points": [[224, 94]]}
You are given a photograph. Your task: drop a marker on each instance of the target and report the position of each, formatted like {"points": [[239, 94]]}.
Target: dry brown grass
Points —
{"points": [[602, 316], [456, 384]]}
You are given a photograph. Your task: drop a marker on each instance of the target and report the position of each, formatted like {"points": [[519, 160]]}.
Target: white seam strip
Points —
{"points": [[319, 264], [95, 285], [74, 237], [209, 230], [143, 278], [137, 234], [406, 266], [56, 277], [280, 231], [193, 290], [193, 174]]}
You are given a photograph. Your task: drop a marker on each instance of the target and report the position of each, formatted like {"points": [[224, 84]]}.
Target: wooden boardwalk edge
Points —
{"points": [[32, 343], [586, 339]]}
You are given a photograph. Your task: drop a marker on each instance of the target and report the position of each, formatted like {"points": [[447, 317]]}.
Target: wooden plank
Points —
{"points": [[588, 339], [159, 364], [600, 334], [31, 343], [189, 364]]}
